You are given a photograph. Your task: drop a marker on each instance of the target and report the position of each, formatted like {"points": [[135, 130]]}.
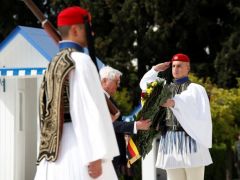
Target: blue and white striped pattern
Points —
{"points": [[21, 71], [177, 142]]}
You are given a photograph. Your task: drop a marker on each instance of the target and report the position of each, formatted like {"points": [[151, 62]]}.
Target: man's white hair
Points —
{"points": [[109, 73]]}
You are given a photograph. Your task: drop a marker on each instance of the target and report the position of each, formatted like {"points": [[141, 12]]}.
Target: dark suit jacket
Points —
{"points": [[121, 128]]}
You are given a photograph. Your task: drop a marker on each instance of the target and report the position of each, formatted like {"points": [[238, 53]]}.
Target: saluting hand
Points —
{"points": [[162, 66]]}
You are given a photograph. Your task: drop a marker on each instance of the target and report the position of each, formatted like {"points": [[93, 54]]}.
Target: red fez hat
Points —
{"points": [[180, 57], [72, 15]]}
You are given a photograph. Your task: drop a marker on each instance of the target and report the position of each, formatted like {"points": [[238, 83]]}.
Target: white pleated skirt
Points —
{"points": [[178, 150], [68, 166]]}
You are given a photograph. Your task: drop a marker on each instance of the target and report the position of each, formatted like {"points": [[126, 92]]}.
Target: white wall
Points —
{"points": [[149, 170], [31, 128], [18, 129], [26, 129], [7, 118], [22, 56], [148, 164]]}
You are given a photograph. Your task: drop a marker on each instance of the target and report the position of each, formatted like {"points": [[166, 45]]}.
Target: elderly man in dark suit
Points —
{"points": [[110, 80]]}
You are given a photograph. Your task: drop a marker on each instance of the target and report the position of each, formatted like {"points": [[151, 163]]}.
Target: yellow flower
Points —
{"points": [[149, 90], [154, 83]]}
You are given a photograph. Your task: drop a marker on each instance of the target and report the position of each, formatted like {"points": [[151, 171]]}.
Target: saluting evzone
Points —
{"points": [[184, 147]]}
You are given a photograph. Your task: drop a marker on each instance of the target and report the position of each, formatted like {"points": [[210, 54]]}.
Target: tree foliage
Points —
{"points": [[225, 113], [227, 59], [147, 32], [123, 99], [152, 31]]}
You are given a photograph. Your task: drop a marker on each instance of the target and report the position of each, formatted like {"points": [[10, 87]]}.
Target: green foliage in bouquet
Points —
{"points": [[156, 94]]}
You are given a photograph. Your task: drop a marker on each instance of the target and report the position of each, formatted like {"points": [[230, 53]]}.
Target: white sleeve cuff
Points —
{"points": [[135, 128]]}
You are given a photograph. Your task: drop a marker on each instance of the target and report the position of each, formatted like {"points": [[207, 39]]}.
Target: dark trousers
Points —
{"points": [[123, 171]]}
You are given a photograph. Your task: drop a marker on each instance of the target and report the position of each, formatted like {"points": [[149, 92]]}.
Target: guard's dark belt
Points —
{"points": [[67, 118], [174, 128]]}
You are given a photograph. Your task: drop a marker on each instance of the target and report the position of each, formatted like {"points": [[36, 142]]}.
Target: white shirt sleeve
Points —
{"points": [[192, 110], [148, 77], [90, 116]]}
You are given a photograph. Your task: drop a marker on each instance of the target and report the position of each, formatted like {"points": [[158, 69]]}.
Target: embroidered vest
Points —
{"points": [[175, 88], [52, 91]]}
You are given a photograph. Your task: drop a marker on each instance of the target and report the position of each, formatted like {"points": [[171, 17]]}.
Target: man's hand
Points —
{"points": [[95, 168], [169, 103], [143, 124], [162, 66]]}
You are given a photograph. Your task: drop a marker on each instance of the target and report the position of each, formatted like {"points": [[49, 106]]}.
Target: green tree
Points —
{"points": [[227, 60], [151, 31], [13, 13], [123, 99]]}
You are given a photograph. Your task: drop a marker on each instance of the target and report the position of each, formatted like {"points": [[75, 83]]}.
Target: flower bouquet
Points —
{"points": [[156, 94]]}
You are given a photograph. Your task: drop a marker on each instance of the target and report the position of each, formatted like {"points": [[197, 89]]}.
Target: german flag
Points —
{"points": [[132, 152]]}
